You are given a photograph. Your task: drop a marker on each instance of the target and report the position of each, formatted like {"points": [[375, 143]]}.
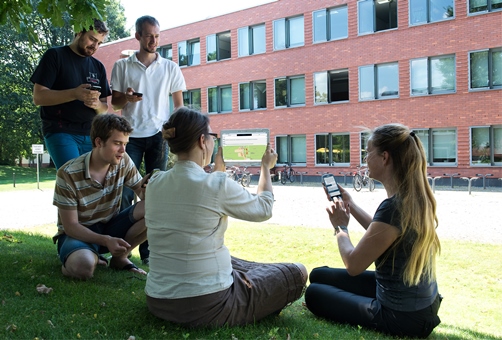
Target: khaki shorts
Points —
{"points": [[258, 290]]}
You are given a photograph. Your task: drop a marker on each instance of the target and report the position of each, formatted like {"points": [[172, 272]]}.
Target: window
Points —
{"points": [[253, 95], [440, 145], [365, 135], [219, 99], [378, 81], [288, 33], [425, 11], [290, 91], [291, 149], [251, 40], [191, 99], [332, 149], [375, 16], [218, 46], [476, 6], [330, 24], [331, 86], [486, 145], [189, 53], [433, 75], [166, 51], [486, 69]]}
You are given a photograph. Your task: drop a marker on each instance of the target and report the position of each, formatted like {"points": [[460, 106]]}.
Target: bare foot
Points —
{"points": [[125, 264]]}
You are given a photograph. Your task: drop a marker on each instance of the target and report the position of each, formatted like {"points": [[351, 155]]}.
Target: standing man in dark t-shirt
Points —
{"points": [[71, 88]]}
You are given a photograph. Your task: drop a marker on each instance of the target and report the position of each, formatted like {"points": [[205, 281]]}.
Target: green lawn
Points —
{"points": [[112, 304], [22, 178]]}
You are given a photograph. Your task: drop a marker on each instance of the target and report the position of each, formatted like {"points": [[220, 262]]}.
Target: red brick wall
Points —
{"points": [[459, 110]]}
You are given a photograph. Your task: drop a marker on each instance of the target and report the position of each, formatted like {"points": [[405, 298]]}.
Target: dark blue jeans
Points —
{"points": [[154, 151], [64, 146]]}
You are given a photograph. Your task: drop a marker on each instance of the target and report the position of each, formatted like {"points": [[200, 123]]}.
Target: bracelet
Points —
{"points": [[342, 228]]}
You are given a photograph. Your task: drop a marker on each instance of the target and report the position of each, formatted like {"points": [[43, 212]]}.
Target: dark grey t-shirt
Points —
{"points": [[391, 289]]}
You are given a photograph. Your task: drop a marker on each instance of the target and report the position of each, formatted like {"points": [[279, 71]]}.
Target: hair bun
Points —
{"points": [[169, 133]]}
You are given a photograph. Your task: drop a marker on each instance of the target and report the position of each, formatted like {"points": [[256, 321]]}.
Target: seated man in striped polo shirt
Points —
{"points": [[88, 195]]}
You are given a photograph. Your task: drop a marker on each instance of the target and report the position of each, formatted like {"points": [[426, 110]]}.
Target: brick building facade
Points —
{"points": [[316, 73]]}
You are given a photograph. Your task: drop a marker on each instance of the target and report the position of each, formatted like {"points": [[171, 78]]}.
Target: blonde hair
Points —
{"points": [[414, 197]]}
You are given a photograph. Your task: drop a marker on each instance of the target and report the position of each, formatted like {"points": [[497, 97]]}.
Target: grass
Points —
{"points": [[23, 178], [112, 305]]}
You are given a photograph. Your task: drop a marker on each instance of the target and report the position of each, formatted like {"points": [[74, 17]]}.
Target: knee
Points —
{"points": [[304, 272], [79, 268], [139, 210]]}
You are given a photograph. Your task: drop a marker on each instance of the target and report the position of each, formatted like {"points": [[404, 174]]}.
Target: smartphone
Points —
{"points": [[95, 88], [215, 150], [329, 182], [139, 94]]}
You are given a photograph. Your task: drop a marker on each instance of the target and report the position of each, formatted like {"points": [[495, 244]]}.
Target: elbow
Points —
{"points": [[353, 269], [36, 101]]}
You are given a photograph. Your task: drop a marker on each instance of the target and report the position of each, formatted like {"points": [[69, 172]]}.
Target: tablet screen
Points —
{"points": [[244, 147]]}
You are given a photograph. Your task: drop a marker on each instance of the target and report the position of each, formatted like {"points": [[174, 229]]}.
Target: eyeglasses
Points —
{"points": [[214, 135]]}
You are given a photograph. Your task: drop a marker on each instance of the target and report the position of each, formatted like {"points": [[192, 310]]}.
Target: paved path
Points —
{"points": [[476, 217]]}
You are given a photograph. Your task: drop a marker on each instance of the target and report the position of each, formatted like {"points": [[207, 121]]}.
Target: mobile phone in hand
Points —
{"points": [[139, 94], [95, 88], [329, 182]]}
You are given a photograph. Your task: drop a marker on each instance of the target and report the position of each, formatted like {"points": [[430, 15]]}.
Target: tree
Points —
{"points": [[79, 12], [20, 124]]}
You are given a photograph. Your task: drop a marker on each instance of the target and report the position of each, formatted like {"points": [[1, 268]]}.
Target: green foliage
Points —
{"points": [[116, 21], [81, 13]]}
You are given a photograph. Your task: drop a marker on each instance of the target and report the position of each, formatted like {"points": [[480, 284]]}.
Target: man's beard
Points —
{"points": [[82, 50]]}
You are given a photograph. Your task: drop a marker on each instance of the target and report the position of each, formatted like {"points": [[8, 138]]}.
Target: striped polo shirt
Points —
{"points": [[94, 202]]}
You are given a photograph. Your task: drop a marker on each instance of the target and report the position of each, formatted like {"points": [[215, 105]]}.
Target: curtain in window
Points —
{"points": [[298, 149], [479, 70], [297, 91]]}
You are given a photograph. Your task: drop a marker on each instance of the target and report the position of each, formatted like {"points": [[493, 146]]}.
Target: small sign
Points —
{"points": [[37, 149]]}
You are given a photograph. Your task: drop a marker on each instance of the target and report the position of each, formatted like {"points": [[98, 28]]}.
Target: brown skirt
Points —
{"points": [[259, 289]]}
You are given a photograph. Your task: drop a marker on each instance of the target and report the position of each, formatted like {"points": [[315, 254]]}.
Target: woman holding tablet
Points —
{"points": [[193, 279]]}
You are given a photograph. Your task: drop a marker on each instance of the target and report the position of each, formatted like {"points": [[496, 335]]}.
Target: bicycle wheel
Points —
{"points": [[283, 177], [357, 182], [245, 180], [292, 176], [371, 183]]}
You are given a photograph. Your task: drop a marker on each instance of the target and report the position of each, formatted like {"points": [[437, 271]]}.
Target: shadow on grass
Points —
{"points": [[112, 305], [22, 175]]}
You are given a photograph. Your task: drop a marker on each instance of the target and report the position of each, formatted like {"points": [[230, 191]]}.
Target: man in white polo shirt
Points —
{"points": [[141, 85]]}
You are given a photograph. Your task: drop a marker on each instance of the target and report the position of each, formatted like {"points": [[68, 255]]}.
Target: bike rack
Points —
{"points": [[433, 182], [470, 179], [345, 173], [484, 178], [451, 177], [301, 173]]}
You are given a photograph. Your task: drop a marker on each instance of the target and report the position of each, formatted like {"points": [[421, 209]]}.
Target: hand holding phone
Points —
{"points": [[329, 182]]}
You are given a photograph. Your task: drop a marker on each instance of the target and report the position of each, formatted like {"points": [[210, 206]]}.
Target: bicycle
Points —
{"points": [[239, 175], [361, 179], [288, 174]]}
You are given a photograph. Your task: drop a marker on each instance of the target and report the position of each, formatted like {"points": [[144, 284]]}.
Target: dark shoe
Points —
{"points": [[145, 261]]}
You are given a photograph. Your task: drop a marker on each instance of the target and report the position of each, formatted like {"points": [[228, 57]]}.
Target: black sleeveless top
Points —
{"points": [[391, 291]]}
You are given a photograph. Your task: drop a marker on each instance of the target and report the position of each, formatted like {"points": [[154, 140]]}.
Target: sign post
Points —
{"points": [[37, 149]]}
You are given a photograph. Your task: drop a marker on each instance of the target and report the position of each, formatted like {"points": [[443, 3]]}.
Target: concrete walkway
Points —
{"points": [[476, 217]]}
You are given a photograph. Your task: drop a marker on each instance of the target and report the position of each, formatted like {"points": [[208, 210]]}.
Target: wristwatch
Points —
{"points": [[341, 228]]}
